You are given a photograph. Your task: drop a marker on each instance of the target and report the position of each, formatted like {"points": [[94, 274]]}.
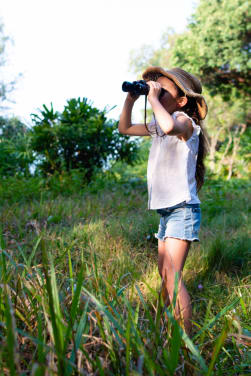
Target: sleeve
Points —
{"points": [[196, 128], [154, 128]]}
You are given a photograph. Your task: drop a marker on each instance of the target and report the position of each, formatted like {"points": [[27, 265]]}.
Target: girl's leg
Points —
{"points": [[172, 257], [161, 257]]}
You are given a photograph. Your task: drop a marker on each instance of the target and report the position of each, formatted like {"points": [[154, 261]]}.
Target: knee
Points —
{"points": [[164, 267], [166, 271]]}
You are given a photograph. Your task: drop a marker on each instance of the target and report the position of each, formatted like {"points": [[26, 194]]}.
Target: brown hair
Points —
{"points": [[191, 109]]}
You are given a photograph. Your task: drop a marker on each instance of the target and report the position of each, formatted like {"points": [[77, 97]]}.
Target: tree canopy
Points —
{"points": [[216, 46], [16, 155]]}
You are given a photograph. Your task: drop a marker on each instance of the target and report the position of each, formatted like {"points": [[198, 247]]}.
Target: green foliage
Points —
{"points": [[80, 137], [245, 145], [16, 155], [228, 256], [228, 126], [10, 128], [216, 46], [234, 149]]}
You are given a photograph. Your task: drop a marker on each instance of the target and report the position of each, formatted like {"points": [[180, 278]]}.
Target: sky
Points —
{"points": [[80, 48]]}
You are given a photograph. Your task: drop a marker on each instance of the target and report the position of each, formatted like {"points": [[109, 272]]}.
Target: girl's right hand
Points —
{"points": [[154, 92], [131, 98]]}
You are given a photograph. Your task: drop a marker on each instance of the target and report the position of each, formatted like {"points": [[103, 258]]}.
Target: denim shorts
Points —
{"points": [[180, 222]]}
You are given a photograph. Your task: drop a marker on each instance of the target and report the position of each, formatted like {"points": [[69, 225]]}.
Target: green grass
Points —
{"points": [[79, 280]]}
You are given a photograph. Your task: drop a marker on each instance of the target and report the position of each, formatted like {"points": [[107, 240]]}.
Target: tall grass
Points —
{"points": [[80, 286]]}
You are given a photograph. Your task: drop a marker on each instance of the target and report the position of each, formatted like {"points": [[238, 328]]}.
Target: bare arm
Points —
{"points": [[181, 126], [173, 127], [125, 124]]}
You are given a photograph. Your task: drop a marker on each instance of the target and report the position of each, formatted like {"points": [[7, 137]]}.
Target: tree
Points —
{"points": [[228, 125], [80, 137], [5, 87], [216, 46], [16, 155]]}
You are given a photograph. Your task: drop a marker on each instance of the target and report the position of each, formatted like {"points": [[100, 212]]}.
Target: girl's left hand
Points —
{"points": [[154, 91]]}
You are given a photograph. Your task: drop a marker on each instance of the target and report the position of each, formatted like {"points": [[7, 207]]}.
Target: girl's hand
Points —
{"points": [[131, 98], [154, 91]]}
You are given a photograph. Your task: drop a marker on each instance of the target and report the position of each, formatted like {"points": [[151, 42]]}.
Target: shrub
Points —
{"points": [[16, 155], [80, 137]]}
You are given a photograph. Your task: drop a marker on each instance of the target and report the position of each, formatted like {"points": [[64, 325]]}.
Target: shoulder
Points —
{"points": [[184, 119], [182, 116]]}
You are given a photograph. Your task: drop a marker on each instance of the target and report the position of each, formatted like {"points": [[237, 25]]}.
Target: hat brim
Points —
{"points": [[180, 81]]}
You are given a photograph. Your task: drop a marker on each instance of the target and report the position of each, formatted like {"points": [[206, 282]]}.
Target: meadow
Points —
{"points": [[80, 285]]}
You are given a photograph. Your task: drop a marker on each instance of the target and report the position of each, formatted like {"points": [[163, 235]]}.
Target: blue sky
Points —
{"points": [[75, 48]]}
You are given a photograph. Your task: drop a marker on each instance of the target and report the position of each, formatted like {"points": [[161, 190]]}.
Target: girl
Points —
{"points": [[175, 170]]}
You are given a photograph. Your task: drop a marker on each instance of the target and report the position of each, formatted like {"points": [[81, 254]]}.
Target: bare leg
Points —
{"points": [[161, 256], [172, 257]]}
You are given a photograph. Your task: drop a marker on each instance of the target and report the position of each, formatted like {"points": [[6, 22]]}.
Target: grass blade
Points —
{"points": [[217, 317], [189, 344], [70, 272], [203, 332], [74, 306], [146, 308], [40, 348], [80, 330], [11, 334], [175, 343], [110, 317], [33, 252], [54, 308], [217, 348], [128, 344], [2, 242]]}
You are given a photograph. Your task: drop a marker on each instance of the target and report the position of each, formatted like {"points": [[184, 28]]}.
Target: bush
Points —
{"points": [[16, 156], [80, 137]]}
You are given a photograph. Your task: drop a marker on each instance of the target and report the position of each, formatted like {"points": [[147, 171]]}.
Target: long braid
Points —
{"points": [[192, 110]]}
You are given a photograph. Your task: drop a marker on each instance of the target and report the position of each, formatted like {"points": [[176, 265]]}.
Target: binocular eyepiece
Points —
{"points": [[136, 87]]}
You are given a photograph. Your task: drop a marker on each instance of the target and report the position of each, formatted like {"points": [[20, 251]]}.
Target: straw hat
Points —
{"points": [[188, 83]]}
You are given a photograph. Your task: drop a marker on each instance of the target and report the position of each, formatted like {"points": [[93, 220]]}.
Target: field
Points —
{"points": [[80, 285]]}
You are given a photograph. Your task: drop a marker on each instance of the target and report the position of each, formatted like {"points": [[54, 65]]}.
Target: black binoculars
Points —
{"points": [[139, 88], [136, 87]]}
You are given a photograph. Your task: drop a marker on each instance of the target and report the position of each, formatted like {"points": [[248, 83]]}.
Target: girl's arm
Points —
{"points": [[182, 126], [125, 124]]}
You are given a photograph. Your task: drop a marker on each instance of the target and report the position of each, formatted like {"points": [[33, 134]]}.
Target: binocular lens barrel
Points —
{"points": [[127, 86], [136, 87]]}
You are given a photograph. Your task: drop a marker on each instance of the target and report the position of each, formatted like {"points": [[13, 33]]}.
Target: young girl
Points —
{"points": [[175, 170]]}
